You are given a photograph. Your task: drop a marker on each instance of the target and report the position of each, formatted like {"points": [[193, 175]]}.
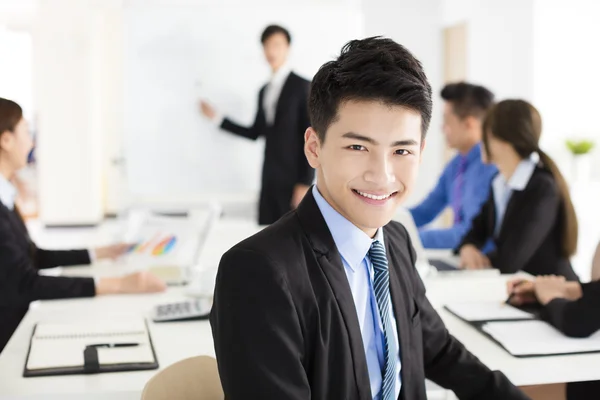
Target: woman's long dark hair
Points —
{"points": [[520, 124]]}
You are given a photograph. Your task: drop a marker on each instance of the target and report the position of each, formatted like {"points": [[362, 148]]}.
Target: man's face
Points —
{"points": [[454, 128], [276, 49], [368, 162]]}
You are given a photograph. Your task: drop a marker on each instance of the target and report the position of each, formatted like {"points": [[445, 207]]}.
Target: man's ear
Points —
{"points": [[472, 122], [5, 140], [312, 147]]}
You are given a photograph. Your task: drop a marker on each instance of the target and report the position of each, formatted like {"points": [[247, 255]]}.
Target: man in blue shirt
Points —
{"points": [[465, 183]]}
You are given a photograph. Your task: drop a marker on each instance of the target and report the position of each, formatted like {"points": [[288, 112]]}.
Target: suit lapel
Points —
{"points": [[511, 209], [330, 262], [283, 96], [401, 303], [18, 225]]}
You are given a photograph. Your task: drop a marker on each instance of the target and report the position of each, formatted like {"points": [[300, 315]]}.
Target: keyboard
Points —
{"points": [[188, 310]]}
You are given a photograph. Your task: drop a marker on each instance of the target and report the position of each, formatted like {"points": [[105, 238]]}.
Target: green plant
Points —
{"points": [[579, 147]]}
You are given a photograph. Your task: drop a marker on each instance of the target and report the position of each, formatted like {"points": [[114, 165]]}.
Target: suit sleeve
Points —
{"points": [[306, 173], [20, 282], [252, 132], [533, 223], [480, 230], [256, 331], [448, 363], [578, 318], [59, 258]]}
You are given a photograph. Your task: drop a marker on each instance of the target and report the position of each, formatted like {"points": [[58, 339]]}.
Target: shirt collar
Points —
{"points": [[352, 243], [8, 193], [522, 175], [474, 154], [281, 74]]}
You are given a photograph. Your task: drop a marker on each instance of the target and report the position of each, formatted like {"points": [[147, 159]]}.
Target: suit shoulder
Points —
{"points": [[396, 232], [299, 80], [274, 244], [542, 181]]}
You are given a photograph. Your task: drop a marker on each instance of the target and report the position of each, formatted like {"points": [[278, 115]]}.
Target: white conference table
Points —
{"points": [[174, 341]]}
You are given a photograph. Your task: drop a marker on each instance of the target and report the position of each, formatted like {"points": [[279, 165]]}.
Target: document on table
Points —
{"points": [[487, 311], [58, 348], [536, 338]]}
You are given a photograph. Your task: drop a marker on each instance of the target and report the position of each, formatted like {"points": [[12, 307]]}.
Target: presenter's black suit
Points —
{"points": [[20, 283], [285, 325], [285, 164]]}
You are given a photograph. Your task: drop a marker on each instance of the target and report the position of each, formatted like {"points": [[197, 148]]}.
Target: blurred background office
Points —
{"points": [[112, 86]]}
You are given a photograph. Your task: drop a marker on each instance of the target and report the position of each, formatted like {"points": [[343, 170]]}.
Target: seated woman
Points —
{"points": [[529, 214], [21, 259], [570, 307]]}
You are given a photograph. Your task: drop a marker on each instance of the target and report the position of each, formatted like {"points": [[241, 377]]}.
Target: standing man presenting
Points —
{"points": [[282, 117]]}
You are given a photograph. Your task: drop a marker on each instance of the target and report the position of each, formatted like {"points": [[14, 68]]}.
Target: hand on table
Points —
{"points": [[472, 258], [113, 251], [137, 282]]}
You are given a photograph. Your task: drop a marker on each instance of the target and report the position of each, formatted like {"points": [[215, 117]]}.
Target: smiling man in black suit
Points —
{"points": [[326, 303]]}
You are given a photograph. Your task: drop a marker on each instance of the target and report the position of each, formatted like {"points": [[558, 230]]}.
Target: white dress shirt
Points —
{"points": [[353, 246], [518, 181], [273, 91], [8, 193], [270, 96]]}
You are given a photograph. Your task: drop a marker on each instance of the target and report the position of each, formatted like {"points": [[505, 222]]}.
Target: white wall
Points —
{"points": [[566, 79], [416, 25], [566, 92], [67, 67], [499, 43]]}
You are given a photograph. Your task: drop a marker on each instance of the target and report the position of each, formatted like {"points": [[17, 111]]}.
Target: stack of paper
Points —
{"points": [[487, 311], [534, 338]]}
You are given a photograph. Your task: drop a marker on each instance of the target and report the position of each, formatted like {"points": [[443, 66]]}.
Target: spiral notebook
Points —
{"points": [[90, 347]]}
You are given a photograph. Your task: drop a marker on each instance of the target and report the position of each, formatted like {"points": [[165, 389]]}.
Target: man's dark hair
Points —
{"points": [[272, 30], [468, 100], [372, 69]]}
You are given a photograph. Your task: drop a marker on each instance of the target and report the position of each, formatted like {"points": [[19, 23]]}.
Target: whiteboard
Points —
{"points": [[173, 55]]}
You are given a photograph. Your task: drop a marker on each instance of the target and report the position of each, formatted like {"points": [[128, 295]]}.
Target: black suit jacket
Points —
{"points": [[284, 163], [531, 232], [285, 325], [20, 283], [578, 318]]}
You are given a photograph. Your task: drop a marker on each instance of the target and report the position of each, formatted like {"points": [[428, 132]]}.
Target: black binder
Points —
{"points": [[90, 361]]}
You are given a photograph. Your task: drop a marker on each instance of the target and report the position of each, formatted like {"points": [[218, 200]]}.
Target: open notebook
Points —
{"points": [[90, 347], [537, 338], [484, 311]]}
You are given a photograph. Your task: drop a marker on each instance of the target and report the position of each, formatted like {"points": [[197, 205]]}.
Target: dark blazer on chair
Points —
{"points": [[531, 232], [20, 283], [285, 325], [285, 164]]}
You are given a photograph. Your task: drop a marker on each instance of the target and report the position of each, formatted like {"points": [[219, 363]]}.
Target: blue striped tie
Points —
{"points": [[381, 285]]}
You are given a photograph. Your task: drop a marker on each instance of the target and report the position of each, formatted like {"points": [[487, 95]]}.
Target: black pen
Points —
{"points": [[111, 345]]}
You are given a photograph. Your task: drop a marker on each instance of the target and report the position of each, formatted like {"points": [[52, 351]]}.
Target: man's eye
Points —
{"points": [[357, 147]]}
